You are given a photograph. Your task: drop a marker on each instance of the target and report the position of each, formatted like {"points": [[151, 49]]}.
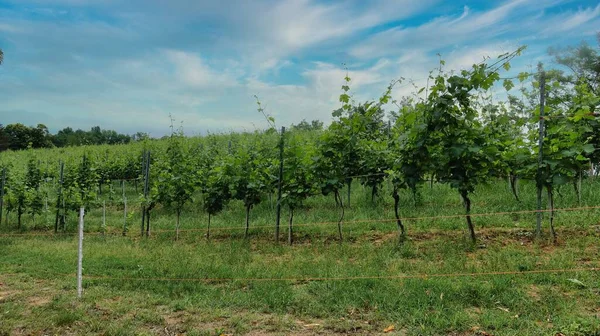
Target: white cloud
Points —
{"points": [[9, 28], [193, 71]]}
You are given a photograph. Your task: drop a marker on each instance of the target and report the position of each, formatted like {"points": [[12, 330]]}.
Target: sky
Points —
{"points": [[129, 65]]}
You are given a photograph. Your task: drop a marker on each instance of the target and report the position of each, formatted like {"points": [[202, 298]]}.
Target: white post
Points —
{"points": [[80, 254]]}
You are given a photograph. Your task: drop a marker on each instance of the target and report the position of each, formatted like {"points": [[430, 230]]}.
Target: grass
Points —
{"points": [[38, 294]]}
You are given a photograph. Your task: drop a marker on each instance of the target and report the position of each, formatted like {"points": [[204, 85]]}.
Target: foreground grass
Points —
{"points": [[37, 286], [38, 296]]}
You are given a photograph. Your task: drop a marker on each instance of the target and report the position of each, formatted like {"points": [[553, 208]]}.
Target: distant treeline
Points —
{"points": [[19, 136]]}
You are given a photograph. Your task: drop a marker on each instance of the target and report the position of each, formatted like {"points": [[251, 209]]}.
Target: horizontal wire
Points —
{"points": [[340, 278], [366, 277], [358, 221]]}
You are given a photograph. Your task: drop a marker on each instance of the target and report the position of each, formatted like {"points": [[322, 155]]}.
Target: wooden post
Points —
{"points": [[103, 217], [349, 182], [290, 227], [124, 209], [279, 185], [143, 203], [59, 197], [147, 192], [538, 227], [80, 254], [2, 183]]}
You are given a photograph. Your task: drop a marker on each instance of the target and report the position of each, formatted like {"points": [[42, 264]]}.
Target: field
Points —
{"points": [[368, 284]]}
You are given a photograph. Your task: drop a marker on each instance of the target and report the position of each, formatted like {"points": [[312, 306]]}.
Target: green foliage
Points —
{"points": [[315, 125], [33, 180], [19, 137], [410, 158], [177, 178], [452, 132], [299, 182], [252, 174]]}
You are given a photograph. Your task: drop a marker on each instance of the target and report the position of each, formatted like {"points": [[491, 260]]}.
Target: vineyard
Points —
{"points": [[368, 194], [454, 136]]}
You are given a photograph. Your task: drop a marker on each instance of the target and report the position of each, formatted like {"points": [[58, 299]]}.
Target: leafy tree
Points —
{"points": [[568, 140], [140, 136], [328, 172], [19, 136], [361, 133], [504, 127], [40, 137], [453, 133], [70, 193], [315, 125], [176, 176], [373, 146], [584, 63], [96, 136], [4, 140], [17, 199], [33, 180], [216, 191], [410, 159], [251, 179], [298, 177]]}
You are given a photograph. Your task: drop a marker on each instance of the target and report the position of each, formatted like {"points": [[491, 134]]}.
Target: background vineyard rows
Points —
{"points": [[448, 137]]}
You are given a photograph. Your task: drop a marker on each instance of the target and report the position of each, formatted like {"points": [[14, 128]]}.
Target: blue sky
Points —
{"points": [[126, 65]]}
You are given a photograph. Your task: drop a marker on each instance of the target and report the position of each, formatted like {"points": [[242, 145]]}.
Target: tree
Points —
{"points": [[96, 136], [87, 181], [504, 125], [409, 157], [176, 176], [17, 198], [453, 133], [40, 137], [329, 173], [4, 139], [315, 125], [584, 63], [33, 180], [19, 136], [251, 178], [216, 192], [140, 136], [569, 139], [361, 138], [298, 177]]}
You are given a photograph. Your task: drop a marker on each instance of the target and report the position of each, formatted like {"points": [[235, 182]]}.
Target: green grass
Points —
{"points": [[38, 294]]}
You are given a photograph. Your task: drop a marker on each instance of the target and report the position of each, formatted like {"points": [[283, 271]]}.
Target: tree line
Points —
{"points": [[19, 136]]}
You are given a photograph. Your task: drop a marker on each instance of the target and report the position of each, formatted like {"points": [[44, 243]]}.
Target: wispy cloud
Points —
{"points": [[574, 20]]}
